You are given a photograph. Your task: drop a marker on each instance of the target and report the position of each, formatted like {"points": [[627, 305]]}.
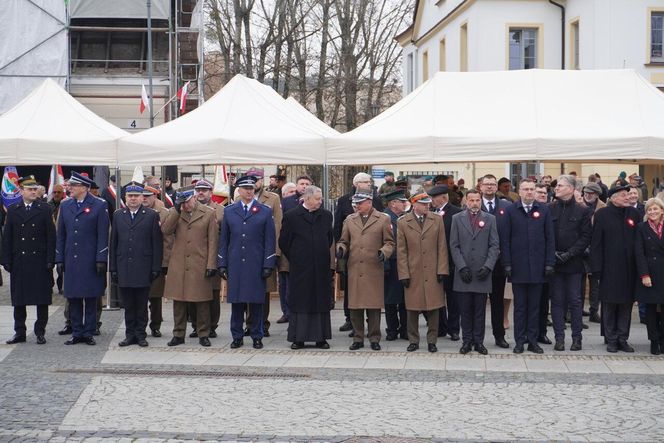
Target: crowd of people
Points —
{"points": [[439, 251]]}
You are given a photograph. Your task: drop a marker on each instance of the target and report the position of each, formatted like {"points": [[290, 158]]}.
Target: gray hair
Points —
{"points": [[570, 179], [288, 186], [311, 190], [361, 177]]}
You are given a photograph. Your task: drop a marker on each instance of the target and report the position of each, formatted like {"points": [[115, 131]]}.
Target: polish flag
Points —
{"points": [[182, 96], [145, 102], [56, 178]]}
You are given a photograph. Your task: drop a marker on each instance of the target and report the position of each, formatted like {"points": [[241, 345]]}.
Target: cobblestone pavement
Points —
{"points": [[107, 394]]}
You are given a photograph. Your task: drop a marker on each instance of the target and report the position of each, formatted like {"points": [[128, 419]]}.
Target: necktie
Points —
{"points": [[246, 210], [490, 207], [27, 208], [78, 204], [527, 209], [132, 215]]}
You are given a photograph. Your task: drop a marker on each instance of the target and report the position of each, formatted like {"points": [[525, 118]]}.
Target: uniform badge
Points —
{"points": [[86, 210], [630, 222], [481, 224], [501, 212], [536, 214], [254, 209]]}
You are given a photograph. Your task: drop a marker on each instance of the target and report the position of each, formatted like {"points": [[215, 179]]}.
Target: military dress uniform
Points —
{"points": [[28, 254]]}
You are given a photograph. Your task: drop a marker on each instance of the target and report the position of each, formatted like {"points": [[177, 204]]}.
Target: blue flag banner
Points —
{"points": [[11, 193]]}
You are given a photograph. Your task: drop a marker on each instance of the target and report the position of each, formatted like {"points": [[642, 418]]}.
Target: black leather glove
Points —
{"points": [[210, 273], [223, 273], [548, 271], [60, 267], [508, 271], [114, 277], [164, 271], [562, 257], [405, 282], [340, 253], [8, 268], [381, 256], [440, 277], [483, 273], [50, 266], [155, 275], [466, 275], [266, 273], [101, 268]]}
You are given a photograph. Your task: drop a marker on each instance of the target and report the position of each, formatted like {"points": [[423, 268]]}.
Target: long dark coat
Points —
{"points": [[305, 240], [246, 247], [528, 245], [649, 250], [82, 242], [136, 247], [28, 245], [394, 292], [573, 231], [499, 211], [612, 253]]}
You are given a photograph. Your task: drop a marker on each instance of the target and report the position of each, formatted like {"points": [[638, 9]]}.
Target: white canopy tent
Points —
{"points": [[553, 115], [310, 119], [50, 126], [244, 123]]}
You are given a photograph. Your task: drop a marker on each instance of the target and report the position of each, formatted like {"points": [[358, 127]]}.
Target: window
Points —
{"points": [[425, 66], [523, 48], [656, 36], [463, 65], [519, 171], [442, 53], [409, 73], [574, 42]]}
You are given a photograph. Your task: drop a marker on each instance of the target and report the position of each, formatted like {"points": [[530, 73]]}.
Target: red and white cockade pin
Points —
{"points": [[481, 224], [86, 210], [501, 212], [536, 214], [254, 208], [630, 222]]}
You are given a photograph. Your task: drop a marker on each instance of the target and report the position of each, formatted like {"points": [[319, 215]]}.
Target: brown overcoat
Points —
{"points": [[274, 202], [194, 251], [157, 287], [361, 244], [421, 257]]}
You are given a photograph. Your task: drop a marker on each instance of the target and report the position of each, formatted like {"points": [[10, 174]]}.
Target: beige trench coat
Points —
{"points": [[194, 251], [274, 202], [157, 287], [365, 272], [421, 257]]}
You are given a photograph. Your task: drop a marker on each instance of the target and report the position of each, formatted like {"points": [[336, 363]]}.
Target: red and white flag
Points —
{"points": [[56, 178], [182, 96], [145, 102]]}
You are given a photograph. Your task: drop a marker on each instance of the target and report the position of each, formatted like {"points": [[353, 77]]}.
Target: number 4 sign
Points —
{"points": [[133, 124]]}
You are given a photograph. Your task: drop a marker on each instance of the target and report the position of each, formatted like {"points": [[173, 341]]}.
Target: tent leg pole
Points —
{"points": [[113, 304]]}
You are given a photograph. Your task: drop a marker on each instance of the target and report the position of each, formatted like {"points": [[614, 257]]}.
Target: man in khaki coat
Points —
{"points": [[422, 264], [192, 264], [156, 293], [367, 241]]}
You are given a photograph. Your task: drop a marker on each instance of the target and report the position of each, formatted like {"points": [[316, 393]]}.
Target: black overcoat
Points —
{"points": [[28, 245], [393, 288], [305, 240], [571, 223], [649, 251]]}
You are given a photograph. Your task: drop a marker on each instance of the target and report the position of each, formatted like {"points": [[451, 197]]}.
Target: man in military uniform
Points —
{"points": [[28, 254], [389, 185], [135, 260], [156, 293], [395, 308], [247, 257], [82, 250]]}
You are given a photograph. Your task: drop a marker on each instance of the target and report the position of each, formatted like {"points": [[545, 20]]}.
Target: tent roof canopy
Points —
{"points": [[245, 122], [603, 115], [50, 126]]}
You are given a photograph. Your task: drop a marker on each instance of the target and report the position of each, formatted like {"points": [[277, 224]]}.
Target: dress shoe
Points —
{"points": [[544, 340], [283, 319], [204, 341], [266, 333], [375, 346], [585, 313], [16, 339], [654, 348], [351, 334], [96, 332], [391, 337], [212, 334], [41, 340], [535, 349], [67, 330], [479, 347], [412, 347], [625, 347], [518, 349], [356, 345], [584, 326], [642, 320], [559, 346], [454, 336], [465, 348], [127, 342], [142, 343], [297, 345], [346, 327], [89, 341], [576, 345], [502, 343], [236, 343], [594, 317], [612, 347], [156, 333], [74, 341], [432, 347], [175, 341], [193, 334], [322, 344], [247, 332], [258, 343]]}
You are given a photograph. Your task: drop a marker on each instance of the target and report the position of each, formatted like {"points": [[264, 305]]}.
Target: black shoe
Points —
{"points": [[204, 341], [351, 334], [432, 347], [142, 343], [236, 343], [612, 347], [67, 330], [283, 319], [544, 340], [73, 341], [89, 341], [442, 334], [642, 320], [479, 347], [654, 348], [412, 347], [585, 313], [193, 334], [594, 317], [175, 341], [156, 333], [346, 327], [322, 344], [454, 336], [297, 345], [41, 340], [356, 345], [518, 349], [559, 346], [502, 343], [465, 348], [576, 345], [96, 332], [16, 339], [213, 334], [247, 332], [266, 333], [258, 343], [375, 346], [534, 348], [391, 337], [127, 342], [625, 347], [584, 326]]}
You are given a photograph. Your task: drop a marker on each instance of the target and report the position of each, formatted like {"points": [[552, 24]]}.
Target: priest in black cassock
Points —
{"points": [[306, 239]]}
